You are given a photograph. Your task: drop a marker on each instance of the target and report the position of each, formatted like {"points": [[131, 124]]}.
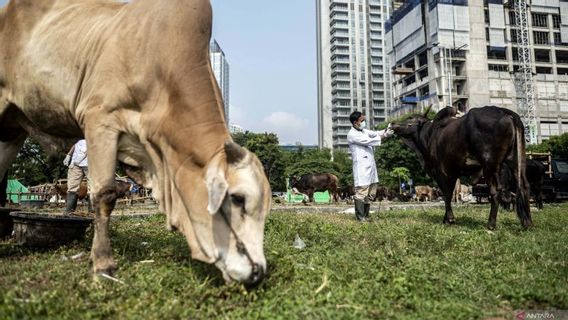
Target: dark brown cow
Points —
{"points": [[60, 189], [347, 192], [122, 189], [479, 142], [310, 183], [535, 172]]}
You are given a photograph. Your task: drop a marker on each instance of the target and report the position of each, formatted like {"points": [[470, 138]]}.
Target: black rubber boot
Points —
{"points": [[360, 210], [71, 202], [367, 210]]}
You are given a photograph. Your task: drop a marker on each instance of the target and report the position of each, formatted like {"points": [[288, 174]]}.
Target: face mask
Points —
{"points": [[363, 125]]}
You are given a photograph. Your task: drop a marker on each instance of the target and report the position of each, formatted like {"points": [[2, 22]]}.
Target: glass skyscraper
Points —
{"points": [[221, 71]]}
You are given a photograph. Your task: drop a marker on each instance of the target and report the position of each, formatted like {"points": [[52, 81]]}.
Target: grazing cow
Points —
{"points": [[310, 183], [347, 192], [123, 189], [461, 192], [481, 141], [535, 172], [60, 189], [424, 193], [384, 193], [135, 80]]}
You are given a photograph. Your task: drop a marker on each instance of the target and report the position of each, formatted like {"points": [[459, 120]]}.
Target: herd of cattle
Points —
{"points": [[308, 184], [135, 80], [57, 192]]}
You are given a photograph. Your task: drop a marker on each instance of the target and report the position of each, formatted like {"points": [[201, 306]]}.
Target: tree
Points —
{"points": [[392, 154], [33, 166], [309, 161], [344, 167], [557, 145], [267, 149], [402, 174]]}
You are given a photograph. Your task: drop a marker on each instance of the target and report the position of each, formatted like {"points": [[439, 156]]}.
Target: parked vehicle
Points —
{"points": [[555, 184]]}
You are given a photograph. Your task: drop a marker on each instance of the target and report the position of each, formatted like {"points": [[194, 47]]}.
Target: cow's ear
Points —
{"points": [[234, 152], [217, 188]]}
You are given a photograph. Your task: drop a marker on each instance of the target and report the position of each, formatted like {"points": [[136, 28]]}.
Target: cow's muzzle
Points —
{"points": [[256, 275]]}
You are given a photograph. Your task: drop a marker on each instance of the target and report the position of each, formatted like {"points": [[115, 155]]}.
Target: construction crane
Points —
{"points": [[524, 76]]}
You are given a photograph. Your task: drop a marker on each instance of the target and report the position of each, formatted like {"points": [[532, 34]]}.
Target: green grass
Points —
{"points": [[406, 265]]}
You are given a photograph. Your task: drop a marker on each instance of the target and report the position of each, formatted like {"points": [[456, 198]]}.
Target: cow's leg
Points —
{"points": [[102, 151], [8, 152], [447, 185], [494, 194]]}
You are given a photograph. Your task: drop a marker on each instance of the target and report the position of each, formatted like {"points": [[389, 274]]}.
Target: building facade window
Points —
{"points": [[541, 37], [556, 21], [540, 20]]}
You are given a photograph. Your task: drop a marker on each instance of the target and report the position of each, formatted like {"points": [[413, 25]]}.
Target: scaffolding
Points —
{"points": [[524, 82]]}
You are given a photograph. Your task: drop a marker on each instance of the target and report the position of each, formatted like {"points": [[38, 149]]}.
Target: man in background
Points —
{"points": [[76, 160]]}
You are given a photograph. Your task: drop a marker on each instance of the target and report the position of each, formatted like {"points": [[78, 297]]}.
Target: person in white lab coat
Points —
{"points": [[76, 160], [361, 142]]}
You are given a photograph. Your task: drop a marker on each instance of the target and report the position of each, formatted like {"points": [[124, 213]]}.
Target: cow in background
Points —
{"points": [[535, 172], [347, 192], [424, 193], [59, 189], [310, 183], [461, 192], [481, 141]]}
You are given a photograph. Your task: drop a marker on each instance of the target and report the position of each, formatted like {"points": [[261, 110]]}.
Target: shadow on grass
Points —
{"points": [[132, 246], [461, 220], [149, 240]]}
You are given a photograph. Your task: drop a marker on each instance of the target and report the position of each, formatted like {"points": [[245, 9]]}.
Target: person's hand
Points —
{"points": [[67, 160], [388, 131]]}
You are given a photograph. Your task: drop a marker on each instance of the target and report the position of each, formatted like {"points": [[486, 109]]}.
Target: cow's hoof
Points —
{"points": [[108, 267], [449, 222], [490, 226]]}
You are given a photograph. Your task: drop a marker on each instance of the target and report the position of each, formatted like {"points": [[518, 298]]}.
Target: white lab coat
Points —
{"points": [[79, 157], [361, 145]]}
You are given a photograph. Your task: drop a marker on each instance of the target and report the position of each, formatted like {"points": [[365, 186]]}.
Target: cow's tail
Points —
{"points": [[522, 198]]}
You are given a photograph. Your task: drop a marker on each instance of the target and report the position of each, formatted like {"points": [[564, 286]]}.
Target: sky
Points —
{"points": [[271, 50]]}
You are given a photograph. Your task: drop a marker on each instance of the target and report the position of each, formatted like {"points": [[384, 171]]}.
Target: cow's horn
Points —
{"points": [[234, 152], [427, 110]]}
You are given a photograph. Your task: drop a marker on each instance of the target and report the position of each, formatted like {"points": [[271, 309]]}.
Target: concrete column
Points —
{"points": [[476, 62]]}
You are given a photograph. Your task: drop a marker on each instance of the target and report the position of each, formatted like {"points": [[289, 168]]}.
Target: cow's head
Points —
{"points": [[222, 210], [294, 181], [411, 127], [411, 132]]}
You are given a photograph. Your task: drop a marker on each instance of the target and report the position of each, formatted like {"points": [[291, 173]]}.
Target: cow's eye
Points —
{"points": [[238, 200]]}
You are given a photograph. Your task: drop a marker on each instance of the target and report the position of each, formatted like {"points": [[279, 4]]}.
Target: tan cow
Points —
{"points": [[424, 193], [135, 80]]}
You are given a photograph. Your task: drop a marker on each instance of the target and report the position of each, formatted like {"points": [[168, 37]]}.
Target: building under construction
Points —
{"points": [[471, 53]]}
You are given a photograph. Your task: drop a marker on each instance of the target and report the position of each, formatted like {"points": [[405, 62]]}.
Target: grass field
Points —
{"points": [[406, 265]]}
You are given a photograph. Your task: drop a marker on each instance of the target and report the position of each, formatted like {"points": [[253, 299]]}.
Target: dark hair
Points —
{"points": [[355, 115]]}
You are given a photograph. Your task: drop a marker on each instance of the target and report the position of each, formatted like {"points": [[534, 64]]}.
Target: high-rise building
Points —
{"points": [[465, 53], [221, 71], [352, 74]]}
